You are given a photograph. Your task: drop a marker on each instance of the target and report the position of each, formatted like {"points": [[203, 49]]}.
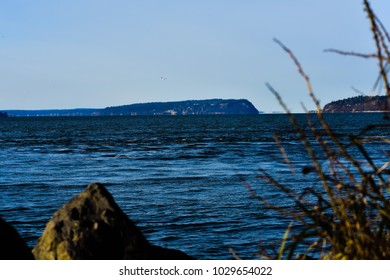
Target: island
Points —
{"points": [[189, 107], [360, 103]]}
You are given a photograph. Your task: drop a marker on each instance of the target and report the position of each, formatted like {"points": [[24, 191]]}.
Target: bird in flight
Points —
{"points": [[163, 78]]}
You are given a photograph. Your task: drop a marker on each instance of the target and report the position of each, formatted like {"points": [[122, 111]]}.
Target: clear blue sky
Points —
{"points": [[98, 53]]}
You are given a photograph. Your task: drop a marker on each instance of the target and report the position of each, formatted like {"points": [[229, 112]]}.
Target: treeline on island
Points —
{"points": [[189, 107], [360, 103]]}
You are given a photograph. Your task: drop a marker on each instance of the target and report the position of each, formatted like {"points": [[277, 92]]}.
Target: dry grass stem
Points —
{"points": [[345, 212]]}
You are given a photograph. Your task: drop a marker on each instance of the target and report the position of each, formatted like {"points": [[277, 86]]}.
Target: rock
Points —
{"points": [[12, 246], [92, 226]]}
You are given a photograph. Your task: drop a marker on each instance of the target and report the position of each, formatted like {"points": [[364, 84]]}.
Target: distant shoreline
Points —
{"points": [[189, 107], [98, 115], [359, 104]]}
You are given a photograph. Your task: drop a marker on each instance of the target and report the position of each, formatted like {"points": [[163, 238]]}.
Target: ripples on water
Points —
{"points": [[178, 177]]}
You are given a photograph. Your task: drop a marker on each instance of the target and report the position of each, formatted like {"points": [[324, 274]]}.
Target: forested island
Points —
{"points": [[358, 104], [189, 107]]}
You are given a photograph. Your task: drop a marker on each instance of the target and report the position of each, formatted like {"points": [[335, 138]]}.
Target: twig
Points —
{"points": [[303, 74], [372, 55], [378, 39]]}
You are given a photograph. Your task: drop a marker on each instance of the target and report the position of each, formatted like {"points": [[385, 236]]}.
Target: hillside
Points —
{"points": [[190, 107], [54, 113], [358, 104]]}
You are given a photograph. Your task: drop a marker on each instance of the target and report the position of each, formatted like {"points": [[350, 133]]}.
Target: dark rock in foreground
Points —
{"points": [[12, 246], [92, 226]]}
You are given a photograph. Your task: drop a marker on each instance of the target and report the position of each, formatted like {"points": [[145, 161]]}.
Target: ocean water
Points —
{"points": [[181, 179]]}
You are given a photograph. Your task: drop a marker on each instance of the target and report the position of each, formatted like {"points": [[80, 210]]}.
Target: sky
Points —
{"points": [[98, 53]]}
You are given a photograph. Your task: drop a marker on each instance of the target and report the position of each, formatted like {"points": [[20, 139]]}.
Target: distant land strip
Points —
{"points": [[189, 107], [362, 103]]}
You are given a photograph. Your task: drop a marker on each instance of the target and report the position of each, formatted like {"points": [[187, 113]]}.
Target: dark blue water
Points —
{"points": [[179, 178]]}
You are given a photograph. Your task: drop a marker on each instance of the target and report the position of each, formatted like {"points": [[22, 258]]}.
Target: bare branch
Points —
{"points": [[371, 55], [358, 91], [303, 74], [378, 38]]}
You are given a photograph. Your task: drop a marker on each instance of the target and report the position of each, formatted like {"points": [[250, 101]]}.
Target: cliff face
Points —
{"points": [[190, 107], [358, 104]]}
